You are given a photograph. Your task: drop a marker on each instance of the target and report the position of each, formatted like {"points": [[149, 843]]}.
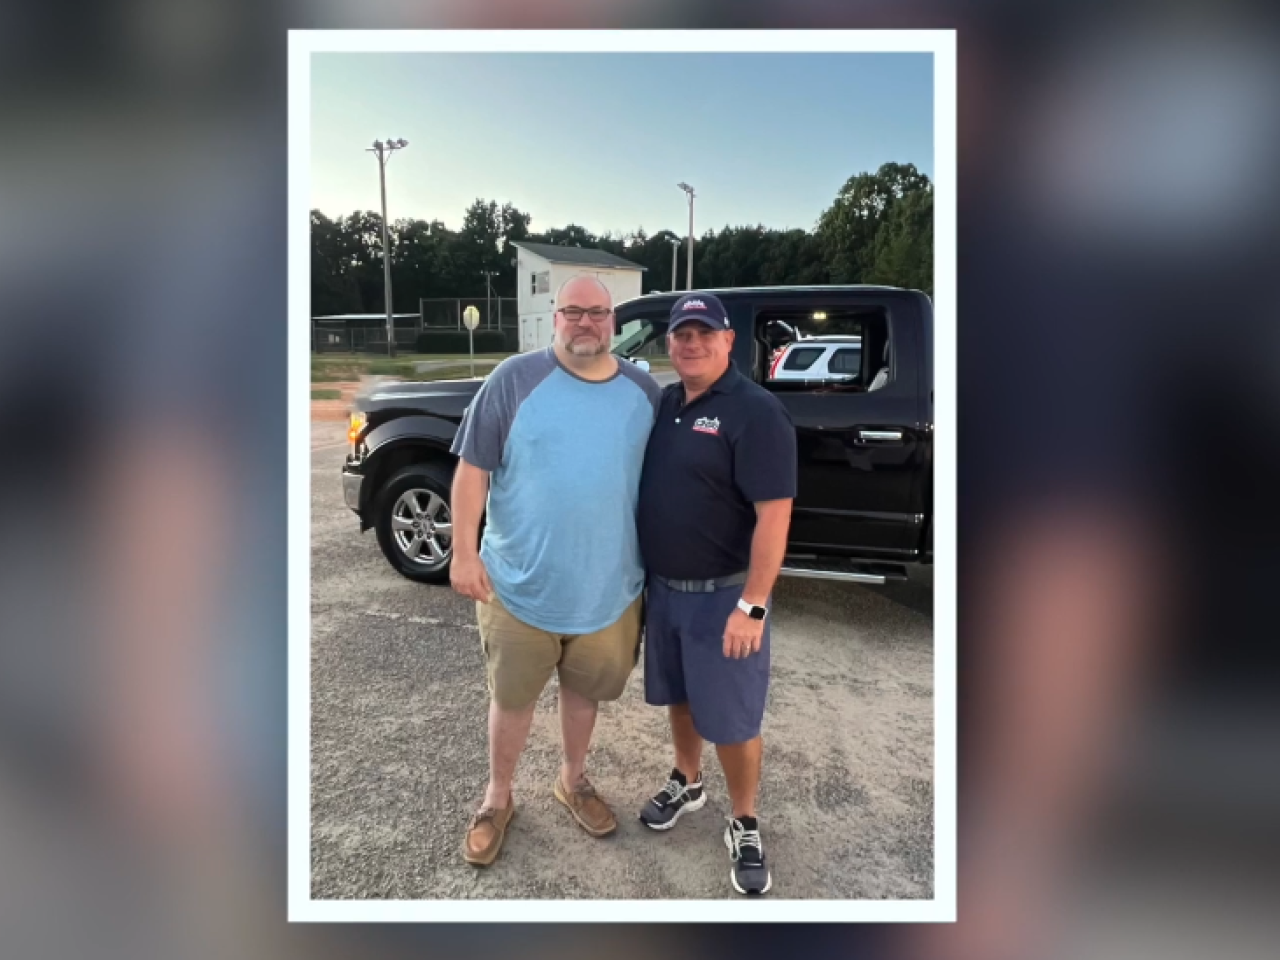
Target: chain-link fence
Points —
{"points": [[364, 334], [496, 313], [330, 336], [348, 336]]}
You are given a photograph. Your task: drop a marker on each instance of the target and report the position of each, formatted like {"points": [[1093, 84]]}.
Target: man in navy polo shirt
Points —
{"points": [[715, 504]]}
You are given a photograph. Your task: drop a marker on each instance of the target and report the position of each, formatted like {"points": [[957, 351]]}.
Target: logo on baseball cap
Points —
{"points": [[702, 307]]}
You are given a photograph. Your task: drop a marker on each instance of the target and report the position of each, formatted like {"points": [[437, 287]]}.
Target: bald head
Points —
{"points": [[583, 290]]}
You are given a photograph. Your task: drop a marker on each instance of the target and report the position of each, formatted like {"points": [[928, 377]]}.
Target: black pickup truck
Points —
{"points": [[864, 425]]}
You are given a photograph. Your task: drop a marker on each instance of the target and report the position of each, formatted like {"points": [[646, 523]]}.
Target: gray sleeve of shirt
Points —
{"points": [[482, 435], [642, 380]]}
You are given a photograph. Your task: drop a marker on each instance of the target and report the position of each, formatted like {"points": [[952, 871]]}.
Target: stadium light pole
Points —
{"points": [[488, 297], [675, 249], [383, 150], [689, 190]]}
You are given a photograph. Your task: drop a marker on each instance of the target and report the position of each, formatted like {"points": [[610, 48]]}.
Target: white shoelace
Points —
{"points": [[744, 838], [674, 789]]}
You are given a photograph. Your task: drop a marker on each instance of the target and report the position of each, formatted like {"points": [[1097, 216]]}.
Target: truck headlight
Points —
{"points": [[357, 424]]}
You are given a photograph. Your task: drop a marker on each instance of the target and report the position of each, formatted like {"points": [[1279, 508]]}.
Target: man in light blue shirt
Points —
{"points": [[555, 440]]}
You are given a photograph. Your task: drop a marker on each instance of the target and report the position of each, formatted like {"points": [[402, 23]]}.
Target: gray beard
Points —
{"points": [[581, 348]]}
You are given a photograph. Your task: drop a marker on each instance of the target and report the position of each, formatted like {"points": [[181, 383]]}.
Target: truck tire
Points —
{"points": [[414, 523]]}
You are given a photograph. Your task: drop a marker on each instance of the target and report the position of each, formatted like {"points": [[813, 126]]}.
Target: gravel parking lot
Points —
{"points": [[399, 758]]}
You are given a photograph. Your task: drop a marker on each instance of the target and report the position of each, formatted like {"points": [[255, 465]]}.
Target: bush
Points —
{"points": [[455, 341]]}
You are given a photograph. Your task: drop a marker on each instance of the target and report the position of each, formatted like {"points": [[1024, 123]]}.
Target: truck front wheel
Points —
{"points": [[415, 524]]}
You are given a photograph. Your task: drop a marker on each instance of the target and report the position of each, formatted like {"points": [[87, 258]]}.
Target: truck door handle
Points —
{"points": [[879, 434]]}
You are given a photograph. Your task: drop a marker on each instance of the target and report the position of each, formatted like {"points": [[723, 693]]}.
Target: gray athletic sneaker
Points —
{"points": [[662, 811], [750, 875]]}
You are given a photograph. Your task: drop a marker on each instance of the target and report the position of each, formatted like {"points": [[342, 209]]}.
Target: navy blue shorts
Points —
{"points": [[684, 662]]}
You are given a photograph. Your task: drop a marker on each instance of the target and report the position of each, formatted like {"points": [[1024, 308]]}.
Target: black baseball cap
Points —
{"points": [[702, 307]]}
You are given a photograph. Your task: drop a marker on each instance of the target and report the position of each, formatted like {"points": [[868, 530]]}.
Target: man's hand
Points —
{"points": [[469, 577], [742, 635]]}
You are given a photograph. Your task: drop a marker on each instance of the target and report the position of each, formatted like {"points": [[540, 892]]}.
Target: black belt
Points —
{"points": [[702, 586]]}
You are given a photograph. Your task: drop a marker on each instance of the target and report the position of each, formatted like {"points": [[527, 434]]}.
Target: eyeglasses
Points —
{"points": [[574, 314]]}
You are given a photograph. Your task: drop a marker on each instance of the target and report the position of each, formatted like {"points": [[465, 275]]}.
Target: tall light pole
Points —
{"points": [[488, 296], [675, 249], [383, 150], [689, 190]]}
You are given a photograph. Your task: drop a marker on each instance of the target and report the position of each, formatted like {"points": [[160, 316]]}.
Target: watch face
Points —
{"points": [[757, 613]]}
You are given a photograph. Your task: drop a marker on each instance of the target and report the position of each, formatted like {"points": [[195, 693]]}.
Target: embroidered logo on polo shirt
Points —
{"points": [[708, 425]]}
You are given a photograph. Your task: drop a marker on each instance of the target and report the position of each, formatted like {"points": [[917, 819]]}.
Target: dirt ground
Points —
{"points": [[334, 409], [399, 746]]}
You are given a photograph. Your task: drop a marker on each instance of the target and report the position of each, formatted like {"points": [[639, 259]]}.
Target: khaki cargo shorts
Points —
{"points": [[519, 659]]}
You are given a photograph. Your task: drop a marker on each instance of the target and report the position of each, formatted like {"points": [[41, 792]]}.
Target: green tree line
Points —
{"points": [[878, 229]]}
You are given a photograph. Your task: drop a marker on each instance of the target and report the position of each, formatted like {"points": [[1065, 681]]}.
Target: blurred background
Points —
{"points": [[1120, 459]]}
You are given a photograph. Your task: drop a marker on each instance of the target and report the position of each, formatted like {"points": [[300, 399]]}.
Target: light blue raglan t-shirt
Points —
{"points": [[564, 457]]}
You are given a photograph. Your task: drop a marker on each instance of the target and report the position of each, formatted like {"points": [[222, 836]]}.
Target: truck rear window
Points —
{"points": [[846, 362], [802, 358]]}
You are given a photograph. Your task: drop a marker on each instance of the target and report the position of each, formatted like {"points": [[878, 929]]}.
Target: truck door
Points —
{"points": [[861, 440]]}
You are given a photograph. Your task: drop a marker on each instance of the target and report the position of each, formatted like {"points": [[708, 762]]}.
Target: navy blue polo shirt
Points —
{"points": [[707, 464]]}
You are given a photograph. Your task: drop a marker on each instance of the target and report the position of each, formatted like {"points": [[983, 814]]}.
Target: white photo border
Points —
{"points": [[942, 908]]}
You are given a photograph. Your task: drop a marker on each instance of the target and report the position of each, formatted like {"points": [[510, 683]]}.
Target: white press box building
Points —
{"points": [[542, 267]]}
